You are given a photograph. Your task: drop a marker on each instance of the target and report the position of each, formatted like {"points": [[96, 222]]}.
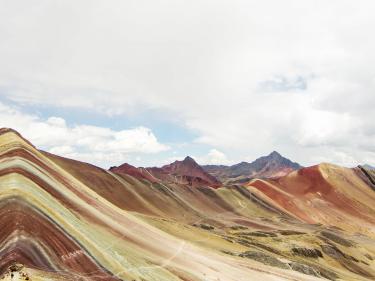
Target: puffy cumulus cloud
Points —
{"points": [[213, 157], [97, 145], [248, 76], [217, 157]]}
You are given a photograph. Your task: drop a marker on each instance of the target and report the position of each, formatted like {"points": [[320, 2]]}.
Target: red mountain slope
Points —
{"points": [[325, 193], [186, 172], [139, 173], [190, 171]]}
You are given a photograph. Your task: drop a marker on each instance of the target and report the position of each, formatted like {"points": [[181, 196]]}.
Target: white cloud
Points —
{"points": [[214, 157], [97, 145], [247, 76]]}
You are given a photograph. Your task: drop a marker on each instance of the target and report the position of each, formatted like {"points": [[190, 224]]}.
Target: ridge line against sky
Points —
{"points": [[148, 82]]}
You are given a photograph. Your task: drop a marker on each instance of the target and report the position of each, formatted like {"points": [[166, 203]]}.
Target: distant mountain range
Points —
{"points": [[186, 171], [368, 167], [191, 173], [272, 166]]}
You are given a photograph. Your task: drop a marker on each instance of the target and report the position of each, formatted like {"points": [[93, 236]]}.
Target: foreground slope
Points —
{"points": [[67, 220], [54, 223]]}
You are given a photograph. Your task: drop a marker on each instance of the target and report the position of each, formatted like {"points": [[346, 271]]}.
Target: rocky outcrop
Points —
{"points": [[308, 253], [305, 269], [264, 258], [337, 239]]}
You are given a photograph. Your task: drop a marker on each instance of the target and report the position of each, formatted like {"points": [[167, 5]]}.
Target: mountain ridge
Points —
{"points": [[270, 166], [186, 171]]}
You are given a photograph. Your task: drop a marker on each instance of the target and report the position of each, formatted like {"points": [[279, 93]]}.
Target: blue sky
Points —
{"points": [[147, 82], [179, 140]]}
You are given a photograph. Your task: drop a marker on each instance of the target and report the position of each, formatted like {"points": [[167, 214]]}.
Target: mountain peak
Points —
{"points": [[185, 171], [132, 171], [189, 159], [273, 165], [274, 161], [275, 154], [189, 168], [124, 166], [12, 137]]}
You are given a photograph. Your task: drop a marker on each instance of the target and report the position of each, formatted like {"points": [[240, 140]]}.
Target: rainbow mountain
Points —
{"points": [[62, 219]]}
